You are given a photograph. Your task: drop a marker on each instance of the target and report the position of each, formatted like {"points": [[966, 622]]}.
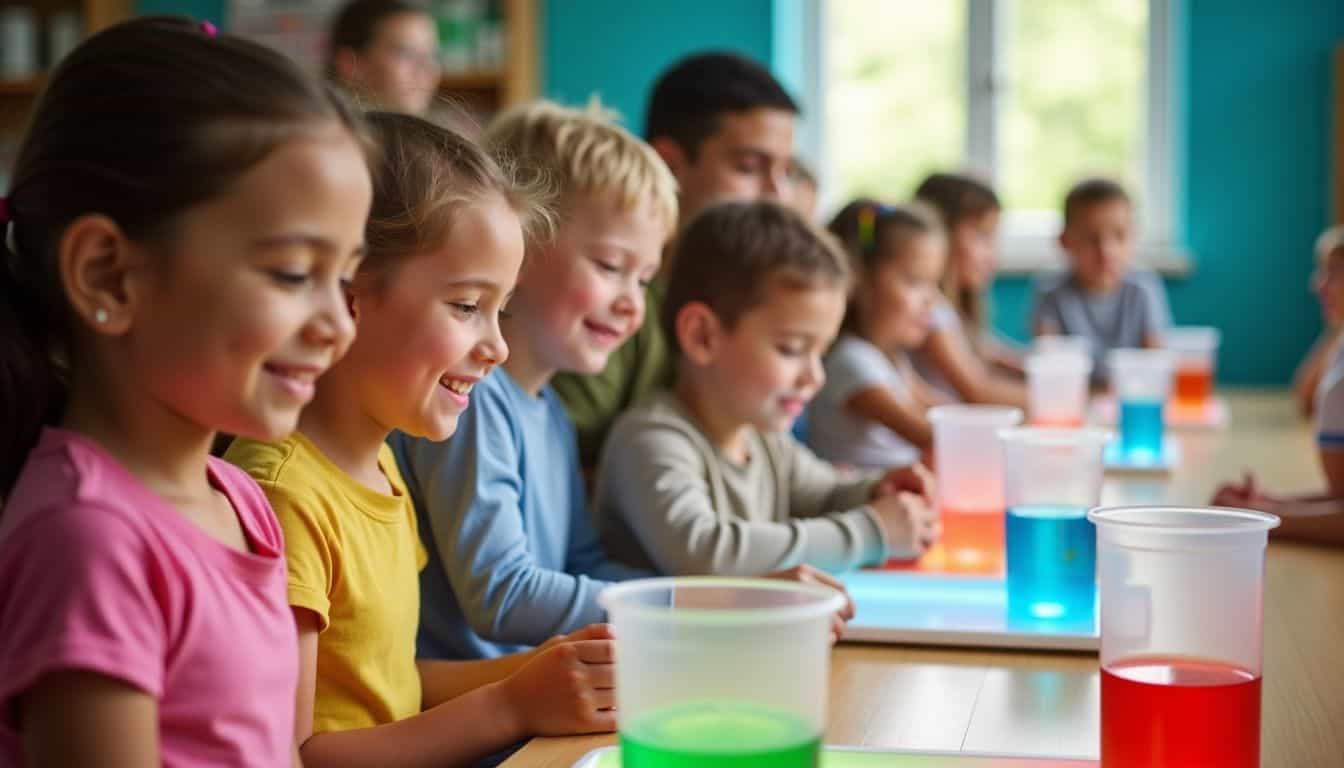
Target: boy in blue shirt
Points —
{"points": [[513, 556]]}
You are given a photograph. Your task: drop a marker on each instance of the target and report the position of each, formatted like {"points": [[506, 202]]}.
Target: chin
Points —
{"points": [[436, 429], [266, 427]]}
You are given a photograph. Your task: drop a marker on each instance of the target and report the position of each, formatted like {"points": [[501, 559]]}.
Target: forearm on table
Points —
{"points": [[443, 680]]}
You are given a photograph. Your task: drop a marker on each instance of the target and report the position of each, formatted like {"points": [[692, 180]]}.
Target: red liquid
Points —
{"points": [[973, 541], [1194, 385], [1159, 712]]}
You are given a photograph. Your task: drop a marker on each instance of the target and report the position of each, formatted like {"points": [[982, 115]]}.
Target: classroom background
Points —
{"points": [[1226, 117]]}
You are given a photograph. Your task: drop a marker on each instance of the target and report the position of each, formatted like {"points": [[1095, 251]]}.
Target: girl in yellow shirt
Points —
{"points": [[445, 240]]}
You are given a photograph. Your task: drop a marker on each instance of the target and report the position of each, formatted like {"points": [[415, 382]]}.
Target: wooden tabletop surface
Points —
{"points": [[1047, 703]]}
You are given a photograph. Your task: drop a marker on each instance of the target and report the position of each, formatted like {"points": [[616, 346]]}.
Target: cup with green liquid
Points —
{"points": [[721, 672]]}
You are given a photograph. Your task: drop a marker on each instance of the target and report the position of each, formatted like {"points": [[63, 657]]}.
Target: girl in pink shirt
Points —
{"points": [[183, 211]]}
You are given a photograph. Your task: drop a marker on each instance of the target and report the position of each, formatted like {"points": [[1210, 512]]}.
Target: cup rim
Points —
{"points": [[1141, 358], [975, 415], [1056, 437], [1233, 520], [827, 600], [1058, 360]]}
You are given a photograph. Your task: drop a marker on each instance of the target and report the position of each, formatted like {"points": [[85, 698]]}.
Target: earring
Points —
{"points": [[100, 315]]}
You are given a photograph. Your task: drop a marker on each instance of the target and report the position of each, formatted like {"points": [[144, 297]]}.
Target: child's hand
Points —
{"points": [[567, 687], [1248, 494], [590, 632], [806, 574], [909, 521], [915, 478]]}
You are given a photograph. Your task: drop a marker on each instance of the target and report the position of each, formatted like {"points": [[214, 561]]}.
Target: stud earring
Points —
{"points": [[100, 315]]}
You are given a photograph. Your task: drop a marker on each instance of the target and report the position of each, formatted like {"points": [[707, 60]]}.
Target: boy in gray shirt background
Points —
{"points": [[1101, 297], [705, 478]]}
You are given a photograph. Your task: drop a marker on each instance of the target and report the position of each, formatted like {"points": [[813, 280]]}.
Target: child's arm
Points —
{"points": [[1157, 313], [442, 679], [1311, 370], [470, 489], [656, 480], [76, 718], [903, 417], [950, 352], [567, 689]]}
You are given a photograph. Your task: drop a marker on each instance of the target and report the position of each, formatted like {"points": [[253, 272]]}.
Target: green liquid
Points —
{"points": [[719, 735]]}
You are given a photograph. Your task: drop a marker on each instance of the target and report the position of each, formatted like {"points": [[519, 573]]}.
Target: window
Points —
{"points": [[1034, 94]]}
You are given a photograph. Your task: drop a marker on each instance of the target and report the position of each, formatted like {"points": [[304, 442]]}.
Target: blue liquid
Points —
{"points": [[1052, 563], [1141, 430]]}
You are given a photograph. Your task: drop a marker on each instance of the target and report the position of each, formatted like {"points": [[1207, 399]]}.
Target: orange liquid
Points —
{"points": [[1194, 385], [1057, 423], [973, 541]]}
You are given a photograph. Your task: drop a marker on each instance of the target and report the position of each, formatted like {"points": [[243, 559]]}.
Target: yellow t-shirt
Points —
{"points": [[353, 556]]}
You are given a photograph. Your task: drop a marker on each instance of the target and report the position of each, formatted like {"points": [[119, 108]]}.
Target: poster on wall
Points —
{"points": [[294, 27]]}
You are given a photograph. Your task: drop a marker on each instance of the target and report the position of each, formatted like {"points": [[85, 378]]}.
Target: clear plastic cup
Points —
{"points": [[719, 671], [969, 464], [1052, 477], [1141, 379], [1181, 606], [1196, 350], [1057, 388]]}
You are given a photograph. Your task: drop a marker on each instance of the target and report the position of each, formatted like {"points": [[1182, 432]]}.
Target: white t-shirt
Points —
{"points": [[945, 318], [840, 435], [1330, 403]]}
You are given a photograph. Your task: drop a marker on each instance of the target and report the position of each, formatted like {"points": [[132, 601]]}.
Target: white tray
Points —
{"points": [[912, 607], [856, 757]]}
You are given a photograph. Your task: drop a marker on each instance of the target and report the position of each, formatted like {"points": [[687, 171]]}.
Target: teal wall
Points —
{"points": [[1256, 79], [205, 10]]}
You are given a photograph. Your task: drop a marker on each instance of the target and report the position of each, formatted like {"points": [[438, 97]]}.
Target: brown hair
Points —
{"points": [[1090, 192], [731, 254], [424, 175], [356, 24], [142, 122], [874, 234], [957, 197]]}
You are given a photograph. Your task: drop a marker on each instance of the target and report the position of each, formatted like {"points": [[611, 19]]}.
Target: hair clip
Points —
{"points": [[867, 228], [5, 214], [209, 29]]}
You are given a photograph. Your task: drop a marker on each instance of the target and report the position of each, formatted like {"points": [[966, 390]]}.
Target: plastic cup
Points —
{"points": [[969, 463], [1196, 350], [1181, 600], [1141, 379], [1057, 388], [717, 671], [1052, 477]]}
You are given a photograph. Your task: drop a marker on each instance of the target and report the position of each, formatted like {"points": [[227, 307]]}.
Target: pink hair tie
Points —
{"points": [[209, 29], [4, 210]]}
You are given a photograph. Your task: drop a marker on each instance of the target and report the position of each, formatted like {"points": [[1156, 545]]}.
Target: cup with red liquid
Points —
{"points": [[969, 463], [1181, 593], [1196, 350], [1057, 388]]}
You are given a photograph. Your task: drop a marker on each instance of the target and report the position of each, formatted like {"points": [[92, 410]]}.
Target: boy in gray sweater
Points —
{"points": [[705, 478]]}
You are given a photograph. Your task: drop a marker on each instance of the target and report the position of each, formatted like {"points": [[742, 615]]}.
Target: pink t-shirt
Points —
{"points": [[98, 573]]}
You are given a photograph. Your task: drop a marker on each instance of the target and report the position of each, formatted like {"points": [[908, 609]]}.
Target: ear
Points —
{"points": [[673, 155], [346, 63], [101, 272], [699, 333]]}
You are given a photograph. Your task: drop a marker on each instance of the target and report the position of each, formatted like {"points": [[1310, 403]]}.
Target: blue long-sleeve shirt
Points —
{"points": [[513, 555]]}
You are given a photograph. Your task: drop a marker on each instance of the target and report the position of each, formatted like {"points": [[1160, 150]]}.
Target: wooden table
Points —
{"points": [[1047, 703]]}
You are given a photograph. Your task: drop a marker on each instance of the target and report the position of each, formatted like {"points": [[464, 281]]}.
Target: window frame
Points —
{"points": [[1028, 239]]}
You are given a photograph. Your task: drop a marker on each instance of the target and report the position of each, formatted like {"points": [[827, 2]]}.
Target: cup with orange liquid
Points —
{"points": [[1057, 388], [1196, 350], [1181, 593], [968, 460]]}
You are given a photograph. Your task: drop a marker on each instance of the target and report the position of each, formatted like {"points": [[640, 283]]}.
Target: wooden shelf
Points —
{"points": [[483, 80], [28, 87]]}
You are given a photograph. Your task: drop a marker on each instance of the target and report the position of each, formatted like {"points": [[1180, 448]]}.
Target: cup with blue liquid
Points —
{"points": [[1141, 380], [1051, 478]]}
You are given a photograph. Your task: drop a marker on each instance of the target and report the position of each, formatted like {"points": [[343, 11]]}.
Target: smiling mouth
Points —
{"points": [[456, 386]]}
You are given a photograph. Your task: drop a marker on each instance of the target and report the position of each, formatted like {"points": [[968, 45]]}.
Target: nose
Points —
{"points": [[813, 374], [332, 325], [492, 350], [777, 186], [629, 301]]}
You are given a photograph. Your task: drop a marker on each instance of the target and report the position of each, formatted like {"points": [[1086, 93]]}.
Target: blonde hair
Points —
{"points": [[1330, 241], [584, 152]]}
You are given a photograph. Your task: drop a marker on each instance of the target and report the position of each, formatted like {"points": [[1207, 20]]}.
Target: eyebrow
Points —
{"points": [[297, 238], [479, 283]]}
